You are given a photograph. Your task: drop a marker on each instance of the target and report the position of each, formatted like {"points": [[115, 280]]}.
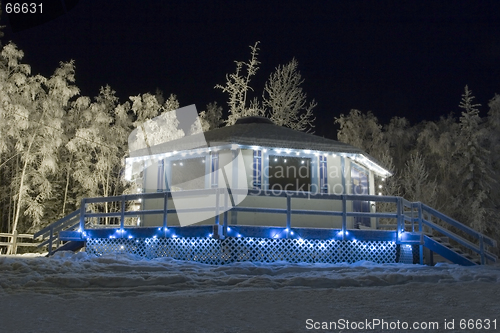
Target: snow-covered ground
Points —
{"points": [[123, 293]]}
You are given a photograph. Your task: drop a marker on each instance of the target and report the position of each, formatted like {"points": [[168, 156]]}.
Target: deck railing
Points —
{"points": [[410, 217]]}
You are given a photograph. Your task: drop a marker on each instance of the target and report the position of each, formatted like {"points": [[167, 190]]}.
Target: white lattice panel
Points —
{"points": [[217, 252], [407, 254]]}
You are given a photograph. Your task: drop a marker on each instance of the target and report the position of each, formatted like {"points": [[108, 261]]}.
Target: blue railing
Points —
{"points": [[50, 234], [411, 217]]}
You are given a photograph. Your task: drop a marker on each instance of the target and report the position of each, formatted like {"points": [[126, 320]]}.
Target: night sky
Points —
{"points": [[407, 59]]}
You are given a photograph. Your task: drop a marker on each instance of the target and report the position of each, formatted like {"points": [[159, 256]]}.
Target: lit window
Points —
{"points": [[188, 174], [289, 173]]}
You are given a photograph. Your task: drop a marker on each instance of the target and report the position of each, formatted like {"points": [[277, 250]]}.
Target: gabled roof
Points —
{"points": [[254, 131]]}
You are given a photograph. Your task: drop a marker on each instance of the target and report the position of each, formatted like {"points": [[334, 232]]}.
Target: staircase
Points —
{"points": [[55, 236]]}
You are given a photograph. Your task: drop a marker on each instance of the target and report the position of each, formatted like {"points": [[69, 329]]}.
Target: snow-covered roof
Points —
{"points": [[255, 131]]}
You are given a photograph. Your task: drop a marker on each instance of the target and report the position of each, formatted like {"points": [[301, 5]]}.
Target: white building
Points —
{"points": [[258, 155]]}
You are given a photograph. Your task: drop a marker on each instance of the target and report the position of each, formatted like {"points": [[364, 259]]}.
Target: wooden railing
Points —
{"points": [[13, 242], [50, 234], [410, 217]]}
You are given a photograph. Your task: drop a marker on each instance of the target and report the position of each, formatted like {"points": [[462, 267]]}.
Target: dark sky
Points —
{"points": [[399, 58]]}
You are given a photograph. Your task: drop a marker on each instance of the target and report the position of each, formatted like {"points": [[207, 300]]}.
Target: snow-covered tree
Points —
{"points": [[285, 99], [238, 88], [363, 131], [212, 117], [473, 172], [400, 137], [99, 145], [417, 183], [38, 145], [154, 122]]}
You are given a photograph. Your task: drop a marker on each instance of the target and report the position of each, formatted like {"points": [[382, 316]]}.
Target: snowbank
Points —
{"points": [[125, 293]]}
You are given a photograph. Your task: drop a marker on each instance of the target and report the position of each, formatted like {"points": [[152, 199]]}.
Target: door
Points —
{"points": [[359, 181]]}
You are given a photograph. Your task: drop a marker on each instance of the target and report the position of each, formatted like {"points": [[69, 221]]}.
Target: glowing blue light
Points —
{"points": [[286, 229], [154, 236], [209, 235], [239, 235], [129, 236], [228, 229], [137, 241], [159, 228], [291, 232], [79, 229], [174, 236]]}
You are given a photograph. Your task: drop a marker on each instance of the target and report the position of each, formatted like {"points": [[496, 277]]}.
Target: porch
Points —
{"points": [[401, 231]]}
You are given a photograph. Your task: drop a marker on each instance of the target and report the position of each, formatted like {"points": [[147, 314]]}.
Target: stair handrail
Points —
{"points": [[483, 239], [52, 230]]}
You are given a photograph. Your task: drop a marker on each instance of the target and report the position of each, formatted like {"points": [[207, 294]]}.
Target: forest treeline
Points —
{"points": [[451, 164], [57, 146]]}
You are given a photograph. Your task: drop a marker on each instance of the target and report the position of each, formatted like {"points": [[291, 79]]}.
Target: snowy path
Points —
{"points": [[78, 293]]}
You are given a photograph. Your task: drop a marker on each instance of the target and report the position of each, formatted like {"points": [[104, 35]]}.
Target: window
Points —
{"points": [[288, 173], [187, 174]]}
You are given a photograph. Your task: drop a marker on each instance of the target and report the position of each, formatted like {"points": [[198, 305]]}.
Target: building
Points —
{"points": [[255, 191], [274, 158]]}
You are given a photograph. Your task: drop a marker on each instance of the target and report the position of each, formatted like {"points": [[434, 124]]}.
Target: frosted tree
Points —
{"points": [[213, 115], [99, 145], [154, 123], [211, 118], [416, 181], [362, 131], [400, 138], [15, 110], [493, 135], [38, 145], [74, 120], [238, 88], [473, 173], [285, 100]]}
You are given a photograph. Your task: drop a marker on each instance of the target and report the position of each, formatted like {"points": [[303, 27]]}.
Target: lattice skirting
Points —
{"points": [[407, 254], [219, 252]]}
